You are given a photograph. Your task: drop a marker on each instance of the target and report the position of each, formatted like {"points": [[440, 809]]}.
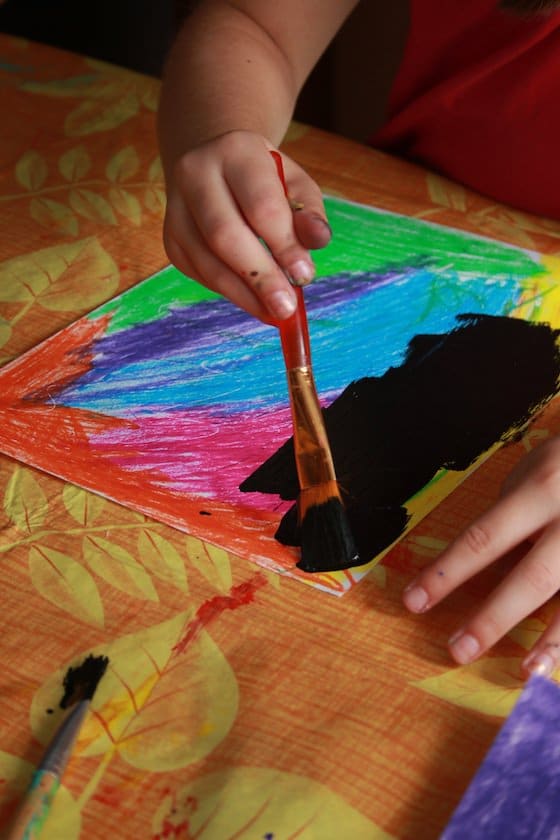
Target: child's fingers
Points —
{"points": [[312, 229], [227, 235], [544, 657], [260, 196], [224, 241], [204, 267], [533, 581], [309, 217], [514, 518]]}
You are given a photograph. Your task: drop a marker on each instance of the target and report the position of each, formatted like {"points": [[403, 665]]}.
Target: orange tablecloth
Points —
{"points": [[301, 715]]}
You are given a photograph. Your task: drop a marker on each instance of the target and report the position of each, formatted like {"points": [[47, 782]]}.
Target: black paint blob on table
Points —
{"points": [[80, 682]]}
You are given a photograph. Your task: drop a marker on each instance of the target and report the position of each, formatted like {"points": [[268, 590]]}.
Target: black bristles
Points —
{"points": [[327, 544], [80, 683]]}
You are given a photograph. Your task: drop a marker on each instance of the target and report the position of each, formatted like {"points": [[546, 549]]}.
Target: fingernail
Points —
{"points": [[539, 663], [281, 304], [324, 222], [465, 647], [415, 598], [301, 272]]}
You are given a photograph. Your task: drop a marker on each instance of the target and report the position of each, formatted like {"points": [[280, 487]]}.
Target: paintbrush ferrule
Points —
{"points": [[312, 452]]}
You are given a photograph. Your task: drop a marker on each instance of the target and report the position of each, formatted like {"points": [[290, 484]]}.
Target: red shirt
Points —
{"points": [[477, 97]]}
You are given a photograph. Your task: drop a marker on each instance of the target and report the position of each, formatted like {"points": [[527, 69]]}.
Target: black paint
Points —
{"points": [[81, 682], [454, 396], [326, 538]]}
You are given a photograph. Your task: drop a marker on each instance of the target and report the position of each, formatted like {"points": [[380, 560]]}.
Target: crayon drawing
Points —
{"points": [[171, 401], [516, 791]]}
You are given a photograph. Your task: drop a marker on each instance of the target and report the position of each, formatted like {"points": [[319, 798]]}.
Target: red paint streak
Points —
{"points": [[239, 596], [172, 830], [177, 832]]}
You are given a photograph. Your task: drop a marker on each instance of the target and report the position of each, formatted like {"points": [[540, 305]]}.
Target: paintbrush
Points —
{"points": [[80, 684], [327, 543]]}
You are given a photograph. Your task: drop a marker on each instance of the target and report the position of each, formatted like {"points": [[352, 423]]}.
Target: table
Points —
{"points": [[334, 718]]}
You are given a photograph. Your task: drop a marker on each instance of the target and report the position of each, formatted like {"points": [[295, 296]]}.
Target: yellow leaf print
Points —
{"points": [[5, 331], [63, 819], [31, 170], [260, 802], [123, 165], [503, 229], [155, 170], [527, 632], [211, 561], [51, 277], [74, 164], [155, 200], [296, 131], [66, 584], [162, 559], [491, 686], [159, 710], [118, 568], [150, 96], [92, 206], [446, 193], [126, 204], [24, 500], [101, 114], [54, 216], [82, 506], [425, 546]]}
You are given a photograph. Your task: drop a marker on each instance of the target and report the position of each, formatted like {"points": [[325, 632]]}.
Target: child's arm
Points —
{"points": [[229, 90], [529, 510]]}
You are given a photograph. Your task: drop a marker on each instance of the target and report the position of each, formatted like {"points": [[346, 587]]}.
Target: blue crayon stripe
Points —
{"points": [[214, 355]]}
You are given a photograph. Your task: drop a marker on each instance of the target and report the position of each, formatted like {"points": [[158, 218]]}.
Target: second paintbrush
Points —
{"points": [[327, 543]]}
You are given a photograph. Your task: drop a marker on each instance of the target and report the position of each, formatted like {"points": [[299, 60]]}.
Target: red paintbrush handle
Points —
{"points": [[294, 335], [294, 331]]}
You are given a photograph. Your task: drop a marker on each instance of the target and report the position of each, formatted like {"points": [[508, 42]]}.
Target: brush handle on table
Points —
{"points": [[36, 805]]}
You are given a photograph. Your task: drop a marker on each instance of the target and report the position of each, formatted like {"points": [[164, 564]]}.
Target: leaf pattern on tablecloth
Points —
{"points": [[211, 561], [161, 558], [82, 506], [259, 802], [109, 96], [5, 331], [54, 216], [31, 170], [25, 501], [50, 277], [159, 709], [75, 164], [61, 207], [117, 567], [490, 685], [66, 583], [63, 820]]}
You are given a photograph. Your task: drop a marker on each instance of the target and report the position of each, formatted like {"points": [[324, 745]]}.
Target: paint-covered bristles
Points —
{"points": [[327, 543], [80, 683]]}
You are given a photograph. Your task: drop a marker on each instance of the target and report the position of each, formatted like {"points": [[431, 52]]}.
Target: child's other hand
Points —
{"points": [[224, 197], [528, 510]]}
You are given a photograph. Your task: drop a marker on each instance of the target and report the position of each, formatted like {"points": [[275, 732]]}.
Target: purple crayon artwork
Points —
{"points": [[516, 792]]}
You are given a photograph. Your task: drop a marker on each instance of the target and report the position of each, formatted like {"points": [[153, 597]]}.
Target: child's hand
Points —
{"points": [[529, 509], [223, 198]]}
